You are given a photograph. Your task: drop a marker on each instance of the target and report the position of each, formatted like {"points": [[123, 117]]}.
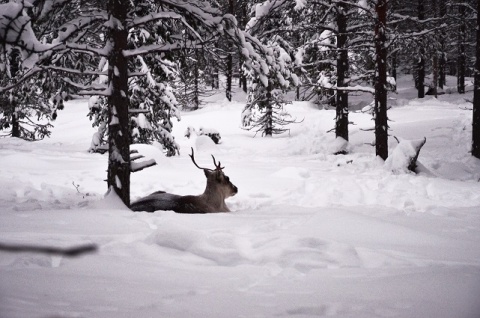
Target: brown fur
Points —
{"points": [[211, 200]]}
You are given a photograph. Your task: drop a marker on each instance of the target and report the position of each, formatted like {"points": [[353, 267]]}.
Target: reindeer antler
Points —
{"points": [[217, 166], [192, 156]]}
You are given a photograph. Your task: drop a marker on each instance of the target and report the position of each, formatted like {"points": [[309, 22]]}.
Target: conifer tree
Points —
{"points": [[25, 112], [264, 111]]}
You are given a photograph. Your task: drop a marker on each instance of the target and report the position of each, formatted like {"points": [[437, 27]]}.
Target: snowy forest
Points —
{"points": [[345, 138]]}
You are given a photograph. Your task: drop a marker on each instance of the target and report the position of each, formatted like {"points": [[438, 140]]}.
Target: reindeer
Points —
{"points": [[212, 200]]}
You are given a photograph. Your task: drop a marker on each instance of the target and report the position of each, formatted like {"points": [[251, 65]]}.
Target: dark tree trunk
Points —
{"points": [[420, 66], [268, 111], [476, 95], [229, 75], [435, 74], [442, 79], [244, 83], [381, 124], [243, 21], [435, 53], [462, 61], [341, 121], [196, 78], [15, 125], [394, 66], [14, 68], [229, 72], [421, 75], [215, 79], [119, 135], [442, 61]]}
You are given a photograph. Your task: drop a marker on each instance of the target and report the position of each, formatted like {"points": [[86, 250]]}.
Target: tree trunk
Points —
{"points": [[381, 124], [462, 61], [14, 68], [341, 121], [229, 75], [215, 78], [442, 78], [420, 75], [196, 78], [229, 72], [242, 22], [15, 124], [476, 95], [435, 75], [442, 61], [119, 135], [244, 83], [394, 66], [268, 111], [420, 66]]}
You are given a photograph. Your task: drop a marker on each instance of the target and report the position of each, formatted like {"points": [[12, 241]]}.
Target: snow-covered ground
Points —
{"points": [[311, 234]]}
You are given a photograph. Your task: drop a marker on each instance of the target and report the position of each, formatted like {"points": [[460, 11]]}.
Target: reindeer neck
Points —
{"points": [[213, 196]]}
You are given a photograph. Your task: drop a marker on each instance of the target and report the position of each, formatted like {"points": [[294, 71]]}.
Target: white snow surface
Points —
{"points": [[310, 234]]}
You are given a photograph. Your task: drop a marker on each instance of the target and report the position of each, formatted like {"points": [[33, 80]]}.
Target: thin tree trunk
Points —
{"points": [[381, 124], [229, 75], [196, 78], [269, 111], [215, 78], [442, 79], [229, 72], [341, 121], [15, 124], [421, 75], [394, 66], [435, 74], [420, 66], [436, 50], [462, 61], [244, 83], [14, 68], [243, 22], [119, 135], [476, 95]]}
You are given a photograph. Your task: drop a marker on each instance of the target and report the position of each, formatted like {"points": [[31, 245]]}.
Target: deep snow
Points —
{"points": [[311, 234]]}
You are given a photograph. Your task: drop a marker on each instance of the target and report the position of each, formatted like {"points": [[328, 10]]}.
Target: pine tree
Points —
{"points": [[264, 111], [26, 111]]}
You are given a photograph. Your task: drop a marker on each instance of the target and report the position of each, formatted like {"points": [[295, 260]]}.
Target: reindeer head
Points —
{"points": [[217, 182]]}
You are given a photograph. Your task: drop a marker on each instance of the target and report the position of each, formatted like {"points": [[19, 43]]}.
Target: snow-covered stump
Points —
{"points": [[404, 156]]}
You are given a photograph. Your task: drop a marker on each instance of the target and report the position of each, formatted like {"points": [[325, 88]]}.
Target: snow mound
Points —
{"points": [[400, 160], [204, 143], [292, 173]]}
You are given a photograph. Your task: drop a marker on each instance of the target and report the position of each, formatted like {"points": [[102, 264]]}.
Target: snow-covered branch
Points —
{"points": [[164, 47]]}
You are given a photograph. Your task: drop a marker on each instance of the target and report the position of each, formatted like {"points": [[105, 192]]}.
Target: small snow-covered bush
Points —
{"points": [[209, 132]]}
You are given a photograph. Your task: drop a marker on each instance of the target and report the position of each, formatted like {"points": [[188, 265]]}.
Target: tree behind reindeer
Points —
{"points": [[212, 200]]}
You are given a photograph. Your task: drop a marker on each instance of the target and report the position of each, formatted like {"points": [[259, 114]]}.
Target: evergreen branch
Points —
{"points": [[73, 71], [31, 72]]}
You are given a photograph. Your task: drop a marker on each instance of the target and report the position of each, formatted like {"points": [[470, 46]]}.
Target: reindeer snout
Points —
{"points": [[235, 190]]}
